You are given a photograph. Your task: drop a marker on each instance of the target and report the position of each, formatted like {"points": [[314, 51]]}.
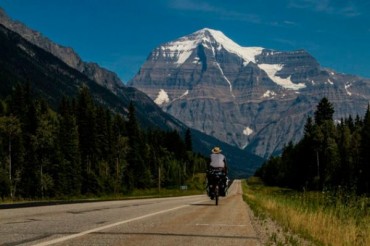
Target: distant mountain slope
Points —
{"points": [[24, 62], [254, 98], [92, 70]]}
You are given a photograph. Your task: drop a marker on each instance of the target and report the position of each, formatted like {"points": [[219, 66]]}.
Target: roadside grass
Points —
{"points": [[324, 218], [193, 186]]}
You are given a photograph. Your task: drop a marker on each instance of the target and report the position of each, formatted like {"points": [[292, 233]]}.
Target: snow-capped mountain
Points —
{"points": [[251, 97]]}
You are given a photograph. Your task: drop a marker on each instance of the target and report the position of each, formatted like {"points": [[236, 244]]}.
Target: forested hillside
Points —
{"points": [[84, 149], [329, 156]]}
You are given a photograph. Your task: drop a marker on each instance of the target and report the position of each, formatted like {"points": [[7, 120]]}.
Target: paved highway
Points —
{"points": [[190, 220]]}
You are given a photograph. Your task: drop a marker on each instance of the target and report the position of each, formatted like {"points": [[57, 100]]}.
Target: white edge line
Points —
{"points": [[61, 239]]}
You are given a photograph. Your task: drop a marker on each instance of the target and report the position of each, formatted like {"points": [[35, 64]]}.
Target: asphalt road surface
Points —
{"points": [[190, 220]]}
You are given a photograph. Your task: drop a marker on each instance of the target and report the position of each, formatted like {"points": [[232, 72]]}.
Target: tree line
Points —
{"points": [[84, 148], [329, 156]]}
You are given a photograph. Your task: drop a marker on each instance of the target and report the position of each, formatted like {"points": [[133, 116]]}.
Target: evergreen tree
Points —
{"points": [[2, 108], [356, 159], [68, 179], [325, 147], [86, 121], [137, 174], [344, 141], [332, 164], [11, 127], [364, 169], [318, 147], [18, 102], [308, 151], [103, 134], [324, 111], [329, 153], [26, 108], [44, 142], [188, 140], [350, 123], [175, 144], [4, 184], [121, 149]]}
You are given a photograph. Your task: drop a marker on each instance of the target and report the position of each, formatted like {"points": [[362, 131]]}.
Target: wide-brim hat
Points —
{"points": [[216, 150]]}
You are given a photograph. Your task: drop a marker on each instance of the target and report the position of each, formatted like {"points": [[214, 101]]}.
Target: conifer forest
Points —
{"points": [[330, 156], [83, 149]]}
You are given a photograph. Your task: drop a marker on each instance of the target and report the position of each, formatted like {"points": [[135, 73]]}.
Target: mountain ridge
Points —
{"points": [[92, 70], [257, 100]]}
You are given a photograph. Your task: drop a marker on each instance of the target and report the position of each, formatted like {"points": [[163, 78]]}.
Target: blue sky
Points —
{"points": [[120, 34]]}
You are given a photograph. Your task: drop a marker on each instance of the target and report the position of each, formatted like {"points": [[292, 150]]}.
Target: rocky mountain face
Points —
{"points": [[254, 98], [92, 70]]}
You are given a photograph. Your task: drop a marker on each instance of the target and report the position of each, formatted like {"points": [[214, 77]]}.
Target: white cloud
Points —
{"points": [[345, 8], [221, 12], [192, 6]]}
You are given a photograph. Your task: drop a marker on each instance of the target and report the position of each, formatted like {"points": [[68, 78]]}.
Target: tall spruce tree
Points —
{"points": [[328, 149], [188, 140], [308, 154], [364, 171], [86, 119], [69, 179], [324, 111], [44, 141], [10, 126], [137, 173], [120, 149]]}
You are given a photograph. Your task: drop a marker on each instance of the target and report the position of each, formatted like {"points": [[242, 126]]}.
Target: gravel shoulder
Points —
{"points": [[271, 233]]}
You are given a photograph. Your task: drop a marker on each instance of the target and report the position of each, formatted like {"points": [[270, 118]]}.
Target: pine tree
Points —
{"points": [[69, 179], [86, 121], [2, 108], [332, 164], [103, 135], [364, 171], [188, 140], [308, 154], [44, 142], [324, 111], [345, 172], [326, 149], [137, 173], [11, 127]]}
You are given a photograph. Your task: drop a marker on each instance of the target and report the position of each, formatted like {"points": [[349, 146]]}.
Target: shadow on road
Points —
{"points": [[173, 235], [203, 204]]}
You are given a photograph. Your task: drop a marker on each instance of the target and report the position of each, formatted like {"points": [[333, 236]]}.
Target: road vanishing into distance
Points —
{"points": [[188, 220]]}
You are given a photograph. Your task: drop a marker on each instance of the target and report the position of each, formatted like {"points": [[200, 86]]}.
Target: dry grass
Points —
{"points": [[322, 218]]}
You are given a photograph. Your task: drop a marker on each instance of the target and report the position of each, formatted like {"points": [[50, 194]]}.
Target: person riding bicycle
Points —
{"points": [[218, 162]]}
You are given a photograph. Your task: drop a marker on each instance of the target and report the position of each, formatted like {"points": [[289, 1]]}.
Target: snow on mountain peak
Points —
{"points": [[183, 47], [248, 54], [162, 97]]}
